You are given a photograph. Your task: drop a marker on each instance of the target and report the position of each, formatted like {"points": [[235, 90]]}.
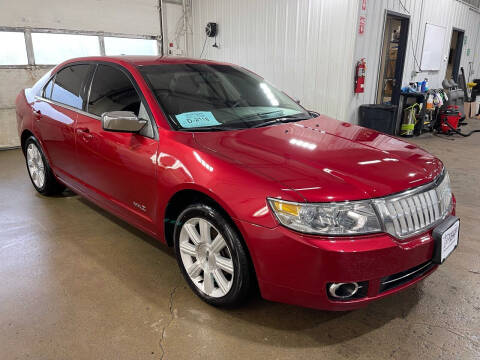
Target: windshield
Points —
{"points": [[204, 97]]}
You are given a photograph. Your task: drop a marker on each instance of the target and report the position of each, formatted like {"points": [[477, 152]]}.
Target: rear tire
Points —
{"points": [[211, 256], [39, 170]]}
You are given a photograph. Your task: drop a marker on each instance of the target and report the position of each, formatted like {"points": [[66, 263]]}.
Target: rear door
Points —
{"points": [[56, 116], [118, 168]]}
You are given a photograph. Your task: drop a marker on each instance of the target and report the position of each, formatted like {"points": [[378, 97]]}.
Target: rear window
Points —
{"points": [[47, 92], [67, 87]]}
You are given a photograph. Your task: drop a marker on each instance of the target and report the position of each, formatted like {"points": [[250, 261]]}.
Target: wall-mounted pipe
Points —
{"points": [[185, 26], [162, 32]]}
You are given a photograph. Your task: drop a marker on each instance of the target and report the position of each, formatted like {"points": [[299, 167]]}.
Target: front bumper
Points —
{"points": [[296, 268]]}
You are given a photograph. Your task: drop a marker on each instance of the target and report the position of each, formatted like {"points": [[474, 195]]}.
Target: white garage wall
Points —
{"points": [[309, 47], [177, 29], [136, 17], [304, 47], [446, 13], [11, 82]]}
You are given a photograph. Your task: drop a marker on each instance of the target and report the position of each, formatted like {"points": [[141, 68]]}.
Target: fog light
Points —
{"points": [[343, 290]]}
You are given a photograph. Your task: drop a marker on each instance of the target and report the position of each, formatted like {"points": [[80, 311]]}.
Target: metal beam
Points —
{"points": [[76, 32], [29, 47], [161, 9], [101, 44], [28, 67]]}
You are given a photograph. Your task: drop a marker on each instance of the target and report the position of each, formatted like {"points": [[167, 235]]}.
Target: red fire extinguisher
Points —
{"points": [[360, 69]]}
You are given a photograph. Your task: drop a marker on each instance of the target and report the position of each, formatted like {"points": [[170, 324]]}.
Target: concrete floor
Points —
{"points": [[76, 283]]}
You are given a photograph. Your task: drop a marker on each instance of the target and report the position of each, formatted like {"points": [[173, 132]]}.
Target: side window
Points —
{"points": [[67, 88], [47, 92], [112, 90]]}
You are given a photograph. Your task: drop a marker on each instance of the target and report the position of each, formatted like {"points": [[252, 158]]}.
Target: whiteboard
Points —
{"points": [[433, 41]]}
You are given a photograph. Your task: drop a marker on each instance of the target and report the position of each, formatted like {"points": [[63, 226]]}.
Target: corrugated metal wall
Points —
{"points": [[446, 13], [309, 47], [304, 47]]}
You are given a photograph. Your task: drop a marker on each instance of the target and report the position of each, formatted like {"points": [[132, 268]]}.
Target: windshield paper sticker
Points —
{"points": [[197, 119]]}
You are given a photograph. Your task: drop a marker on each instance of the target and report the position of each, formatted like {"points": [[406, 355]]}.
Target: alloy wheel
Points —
{"points": [[206, 257], [36, 166]]}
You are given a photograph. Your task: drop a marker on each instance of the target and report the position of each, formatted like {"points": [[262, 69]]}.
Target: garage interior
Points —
{"points": [[78, 283]]}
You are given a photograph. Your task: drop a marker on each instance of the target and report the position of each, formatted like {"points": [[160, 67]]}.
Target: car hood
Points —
{"points": [[323, 159]]}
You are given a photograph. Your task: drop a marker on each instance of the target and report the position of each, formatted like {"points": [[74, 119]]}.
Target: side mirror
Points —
{"points": [[122, 121], [313, 113]]}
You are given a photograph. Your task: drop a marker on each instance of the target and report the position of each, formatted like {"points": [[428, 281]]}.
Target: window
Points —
{"points": [[51, 46], [112, 90], [13, 51], [221, 96], [67, 88], [47, 92], [52, 49], [125, 46]]}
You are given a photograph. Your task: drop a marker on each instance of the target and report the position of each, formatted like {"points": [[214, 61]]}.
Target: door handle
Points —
{"points": [[38, 114], [85, 134]]}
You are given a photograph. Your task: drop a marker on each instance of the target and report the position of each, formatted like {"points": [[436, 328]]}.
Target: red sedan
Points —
{"points": [[247, 185]]}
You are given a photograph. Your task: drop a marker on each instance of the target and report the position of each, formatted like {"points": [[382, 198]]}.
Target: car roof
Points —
{"points": [[142, 60]]}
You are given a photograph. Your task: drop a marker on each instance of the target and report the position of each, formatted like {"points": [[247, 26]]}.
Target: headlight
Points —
{"points": [[355, 217]]}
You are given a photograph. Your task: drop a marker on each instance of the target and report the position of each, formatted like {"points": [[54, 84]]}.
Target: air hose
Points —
{"points": [[459, 132]]}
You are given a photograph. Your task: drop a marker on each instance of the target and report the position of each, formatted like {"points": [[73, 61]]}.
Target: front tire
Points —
{"points": [[39, 170], [211, 256]]}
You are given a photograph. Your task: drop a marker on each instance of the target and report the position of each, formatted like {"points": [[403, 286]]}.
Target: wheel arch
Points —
{"points": [[180, 200], [23, 138]]}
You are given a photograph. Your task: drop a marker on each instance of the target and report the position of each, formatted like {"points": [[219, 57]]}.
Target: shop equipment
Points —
{"points": [[455, 95], [450, 125], [449, 119], [379, 117], [409, 120]]}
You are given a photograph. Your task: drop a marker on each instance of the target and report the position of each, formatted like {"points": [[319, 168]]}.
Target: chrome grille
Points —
{"points": [[416, 210]]}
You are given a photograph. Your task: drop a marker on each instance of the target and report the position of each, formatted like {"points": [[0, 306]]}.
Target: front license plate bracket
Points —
{"points": [[445, 236]]}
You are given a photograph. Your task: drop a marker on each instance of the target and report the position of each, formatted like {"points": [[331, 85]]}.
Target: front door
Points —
{"points": [[118, 169], [392, 59]]}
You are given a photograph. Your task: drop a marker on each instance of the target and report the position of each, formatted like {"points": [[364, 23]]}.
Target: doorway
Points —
{"points": [[455, 54], [392, 59]]}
